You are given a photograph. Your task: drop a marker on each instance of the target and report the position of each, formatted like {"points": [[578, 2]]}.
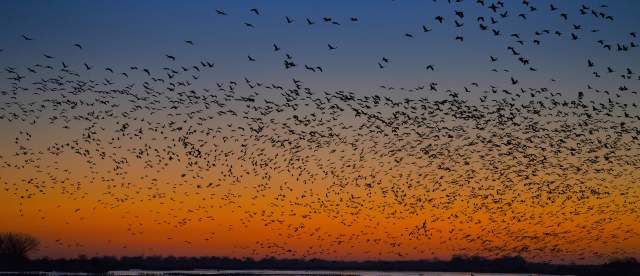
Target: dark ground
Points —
{"points": [[101, 265]]}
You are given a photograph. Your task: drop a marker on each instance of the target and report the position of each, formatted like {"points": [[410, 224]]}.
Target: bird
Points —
{"points": [[485, 166]]}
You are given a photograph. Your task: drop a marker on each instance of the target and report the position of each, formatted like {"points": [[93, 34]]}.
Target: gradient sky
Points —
{"points": [[95, 211], [119, 32]]}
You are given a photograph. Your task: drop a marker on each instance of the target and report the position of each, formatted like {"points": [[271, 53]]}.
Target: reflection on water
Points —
{"points": [[306, 272]]}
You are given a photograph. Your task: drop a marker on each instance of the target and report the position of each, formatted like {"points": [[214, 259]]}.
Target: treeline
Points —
{"points": [[626, 266]]}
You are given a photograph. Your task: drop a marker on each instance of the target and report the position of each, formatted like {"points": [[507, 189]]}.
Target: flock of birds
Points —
{"points": [[488, 170]]}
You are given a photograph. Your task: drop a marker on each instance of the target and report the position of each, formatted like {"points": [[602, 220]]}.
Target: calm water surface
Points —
{"points": [[309, 272]]}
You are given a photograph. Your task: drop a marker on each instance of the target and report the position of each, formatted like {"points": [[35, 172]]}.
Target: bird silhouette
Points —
{"points": [[508, 162]]}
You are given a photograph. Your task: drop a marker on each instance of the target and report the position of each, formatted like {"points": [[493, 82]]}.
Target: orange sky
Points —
{"points": [[95, 217]]}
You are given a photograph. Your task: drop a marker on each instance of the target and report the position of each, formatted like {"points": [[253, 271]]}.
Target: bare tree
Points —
{"points": [[17, 246]]}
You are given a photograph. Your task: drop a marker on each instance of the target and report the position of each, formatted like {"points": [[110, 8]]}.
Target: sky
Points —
{"points": [[83, 184], [119, 32]]}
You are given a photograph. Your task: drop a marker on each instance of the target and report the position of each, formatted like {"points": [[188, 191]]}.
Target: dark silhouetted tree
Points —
{"points": [[15, 248]]}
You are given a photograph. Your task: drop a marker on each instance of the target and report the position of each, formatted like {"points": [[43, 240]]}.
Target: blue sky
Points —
{"points": [[119, 34]]}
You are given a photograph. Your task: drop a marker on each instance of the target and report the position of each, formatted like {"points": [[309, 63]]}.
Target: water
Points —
{"points": [[308, 272], [272, 272]]}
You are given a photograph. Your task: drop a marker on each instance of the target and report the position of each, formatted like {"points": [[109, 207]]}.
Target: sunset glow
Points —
{"points": [[222, 148]]}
